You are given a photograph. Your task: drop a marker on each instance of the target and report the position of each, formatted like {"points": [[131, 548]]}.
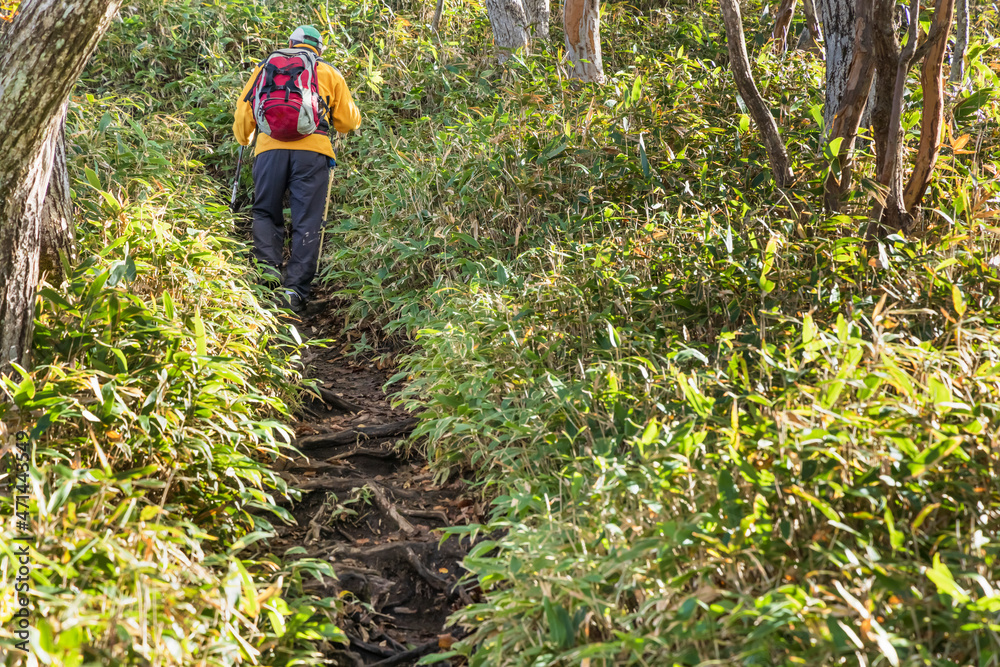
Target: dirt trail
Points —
{"points": [[373, 512]]}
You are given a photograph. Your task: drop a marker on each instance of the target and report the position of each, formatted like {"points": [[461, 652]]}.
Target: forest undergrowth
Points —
{"points": [[716, 427]]}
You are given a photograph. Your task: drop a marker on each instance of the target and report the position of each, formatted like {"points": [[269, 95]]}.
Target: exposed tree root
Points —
{"points": [[413, 654], [383, 503], [340, 485], [337, 402], [365, 451], [365, 554], [435, 581], [437, 515], [354, 435]]}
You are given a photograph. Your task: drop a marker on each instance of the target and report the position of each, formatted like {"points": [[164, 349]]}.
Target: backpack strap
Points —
{"points": [[260, 71]]}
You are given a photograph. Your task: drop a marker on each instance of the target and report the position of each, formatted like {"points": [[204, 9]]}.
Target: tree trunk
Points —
{"points": [[57, 232], [538, 13], [838, 19], [811, 35], [775, 147], [510, 26], [892, 66], [932, 83], [961, 41], [582, 23], [852, 105], [62, 34], [438, 10], [782, 21]]}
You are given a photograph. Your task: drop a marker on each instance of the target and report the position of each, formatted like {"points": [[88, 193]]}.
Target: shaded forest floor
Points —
{"points": [[371, 509]]}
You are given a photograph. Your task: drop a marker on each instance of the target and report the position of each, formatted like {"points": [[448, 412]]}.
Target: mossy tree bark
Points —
{"points": [[62, 34]]}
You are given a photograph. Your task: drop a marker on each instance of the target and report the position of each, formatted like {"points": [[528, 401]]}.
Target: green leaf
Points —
{"points": [[832, 150], [896, 537], [199, 336], [945, 582], [922, 516], [92, 178], [821, 505]]}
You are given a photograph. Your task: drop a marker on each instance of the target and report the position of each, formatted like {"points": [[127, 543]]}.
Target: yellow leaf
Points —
{"points": [[958, 300]]}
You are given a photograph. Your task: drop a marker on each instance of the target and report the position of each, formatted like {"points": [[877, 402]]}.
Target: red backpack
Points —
{"points": [[285, 97]]}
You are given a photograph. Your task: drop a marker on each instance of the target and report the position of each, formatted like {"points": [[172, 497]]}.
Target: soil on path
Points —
{"points": [[371, 509]]}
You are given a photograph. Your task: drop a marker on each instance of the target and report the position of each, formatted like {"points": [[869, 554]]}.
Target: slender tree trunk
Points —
{"points": [[853, 103], [57, 233], [62, 34], [837, 17], [510, 26], [961, 41], [892, 66], [775, 147], [932, 82], [582, 23], [438, 10], [782, 21], [811, 35], [539, 14]]}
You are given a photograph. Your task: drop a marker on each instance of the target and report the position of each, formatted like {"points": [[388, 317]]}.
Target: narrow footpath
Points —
{"points": [[372, 510]]}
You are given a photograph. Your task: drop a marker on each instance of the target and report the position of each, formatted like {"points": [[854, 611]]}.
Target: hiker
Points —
{"points": [[292, 99]]}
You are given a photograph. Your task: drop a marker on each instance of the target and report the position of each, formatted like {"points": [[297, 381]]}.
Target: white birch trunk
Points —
{"points": [[961, 41], [510, 26], [837, 17], [582, 22], [62, 34], [539, 13]]}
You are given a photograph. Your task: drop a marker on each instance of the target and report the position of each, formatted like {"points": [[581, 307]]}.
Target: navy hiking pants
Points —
{"points": [[305, 174]]}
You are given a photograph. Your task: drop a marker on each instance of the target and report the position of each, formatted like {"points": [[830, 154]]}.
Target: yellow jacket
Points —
{"points": [[344, 115]]}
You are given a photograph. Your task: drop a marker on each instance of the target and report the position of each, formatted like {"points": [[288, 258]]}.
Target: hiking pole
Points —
{"points": [[239, 168], [236, 180], [326, 211]]}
